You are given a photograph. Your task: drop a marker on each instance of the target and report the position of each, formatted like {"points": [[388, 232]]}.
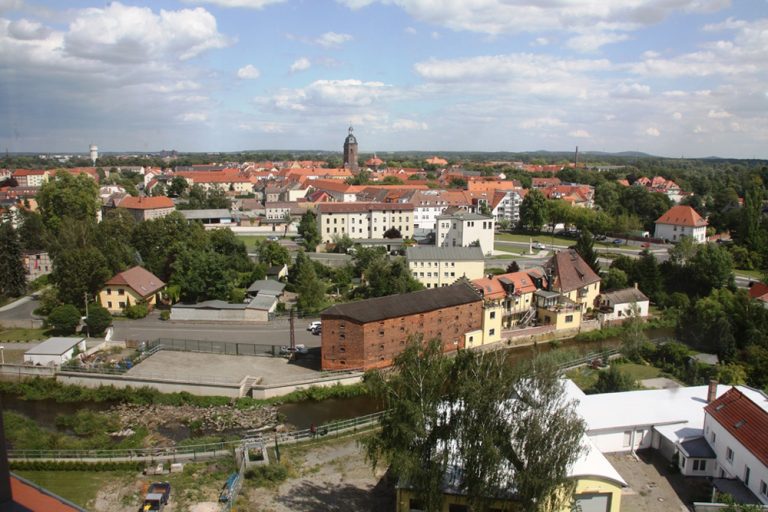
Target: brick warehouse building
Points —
{"points": [[371, 333]]}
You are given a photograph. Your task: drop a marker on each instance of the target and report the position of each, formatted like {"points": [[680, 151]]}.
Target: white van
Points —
{"points": [[314, 325]]}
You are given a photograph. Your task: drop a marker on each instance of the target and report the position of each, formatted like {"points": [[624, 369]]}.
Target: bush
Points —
{"points": [[64, 319], [268, 475], [165, 315], [98, 320], [136, 311], [236, 295]]}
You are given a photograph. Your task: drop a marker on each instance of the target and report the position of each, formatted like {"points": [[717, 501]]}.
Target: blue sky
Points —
{"points": [[668, 77]]}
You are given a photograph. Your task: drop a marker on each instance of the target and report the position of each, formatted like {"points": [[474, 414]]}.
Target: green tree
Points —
{"points": [[272, 253], [309, 231], [633, 338], [585, 246], [64, 319], [648, 276], [229, 245], [177, 187], [616, 279], [392, 233], [712, 267], [201, 275], [750, 232], [68, 196], [391, 180], [311, 290], [13, 278], [533, 211], [613, 380], [78, 272], [158, 242], [682, 252], [113, 239], [98, 319], [32, 231]]}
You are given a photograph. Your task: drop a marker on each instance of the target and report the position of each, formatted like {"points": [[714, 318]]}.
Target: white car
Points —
{"points": [[539, 245], [314, 325]]}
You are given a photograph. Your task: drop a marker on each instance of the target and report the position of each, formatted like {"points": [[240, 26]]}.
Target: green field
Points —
{"points": [[251, 240], [586, 377], [508, 249], [79, 487], [21, 334], [546, 239], [750, 274]]}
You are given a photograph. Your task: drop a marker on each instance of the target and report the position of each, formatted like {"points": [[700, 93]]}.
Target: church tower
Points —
{"points": [[350, 151]]}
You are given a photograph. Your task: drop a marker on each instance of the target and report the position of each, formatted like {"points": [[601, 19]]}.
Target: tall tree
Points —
{"points": [[32, 231], [750, 232], [68, 196], [309, 231], [177, 187], [113, 238], [272, 253], [712, 267], [13, 279], [201, 275], [533, 211], [585, 246], [311, 290], [78, 272]]}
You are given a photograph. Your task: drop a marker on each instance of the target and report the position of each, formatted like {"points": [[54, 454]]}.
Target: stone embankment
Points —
{"points": [[222, 418]]}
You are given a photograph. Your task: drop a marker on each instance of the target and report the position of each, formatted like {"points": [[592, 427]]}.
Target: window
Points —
{"points": [[729, 455], [747, 473], [109, 291], [342, 349], [415, 506], [121, 292], [491, 332], [627, 438], [457, 508], [713, 437], [342, 336], [121, 305], [763, 488], [493, 315], [568, 318], [699, 465], [109, 305]]}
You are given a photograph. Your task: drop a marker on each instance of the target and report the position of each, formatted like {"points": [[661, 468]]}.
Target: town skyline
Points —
{"points": [[669, 79]]}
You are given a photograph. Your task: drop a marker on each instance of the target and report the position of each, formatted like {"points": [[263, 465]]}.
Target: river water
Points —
{"points": [[304, 414]]}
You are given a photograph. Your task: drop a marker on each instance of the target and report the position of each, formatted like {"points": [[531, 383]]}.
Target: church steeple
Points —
{"points": [[350, 151]]}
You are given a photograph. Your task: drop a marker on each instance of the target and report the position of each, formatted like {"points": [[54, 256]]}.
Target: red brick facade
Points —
{"points": [[347, 343]]}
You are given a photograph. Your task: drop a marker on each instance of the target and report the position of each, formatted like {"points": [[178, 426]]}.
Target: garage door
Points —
{"points": [[593, 503]]}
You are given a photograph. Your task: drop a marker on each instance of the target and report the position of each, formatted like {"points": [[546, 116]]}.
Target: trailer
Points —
{"points": [[157, 497]]}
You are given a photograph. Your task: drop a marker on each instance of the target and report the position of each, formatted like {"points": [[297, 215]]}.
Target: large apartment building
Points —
{"points": [[363, 220], [442, 266]]}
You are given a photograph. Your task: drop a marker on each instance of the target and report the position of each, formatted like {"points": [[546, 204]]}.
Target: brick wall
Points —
{"points": [[348, 344]]}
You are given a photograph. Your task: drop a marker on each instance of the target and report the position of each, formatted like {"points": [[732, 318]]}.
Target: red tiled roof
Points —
{"points": [[28, 172], [146, 203], [570, 271], [759, 291], [682, 215], [362, 207], [744, 420], [436, 160], [490, 288], [140, 280], [37, 499]]}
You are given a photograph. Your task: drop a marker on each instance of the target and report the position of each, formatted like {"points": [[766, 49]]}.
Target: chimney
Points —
{"points": [[635, 285], [711, 391]]}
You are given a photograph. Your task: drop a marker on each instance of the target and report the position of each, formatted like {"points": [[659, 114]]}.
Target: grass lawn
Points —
{"points": [[508, 249], [586, 377], [751, 274], [545, 238], [79, 487], [251, 240], [22, 334]]}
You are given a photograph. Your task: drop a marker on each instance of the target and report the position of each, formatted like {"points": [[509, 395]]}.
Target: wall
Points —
{"points": [[444, 273], [121, 381], [613, 440], [588, 300], [668, 232], [219, 315], [129, 298], [347, 344], [600, 486], [492, 316], [22, 371]]}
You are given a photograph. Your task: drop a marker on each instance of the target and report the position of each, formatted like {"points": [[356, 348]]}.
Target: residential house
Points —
{"points": [[736, 429], [30, 177], [37, 264], [278, 210], [557, 310], [661, 185], [130, 287], [680, 221], [442, 266], [619, 305], [436, 160], [227, 180], [505, 205], [210, 217], [541, 183], [462, 229], [430, 204], [340, 192], [514, 292], [363, 220], [580, 196], [54, 351], [569, 275], [371, 333], [759, 291], [147, 208]]}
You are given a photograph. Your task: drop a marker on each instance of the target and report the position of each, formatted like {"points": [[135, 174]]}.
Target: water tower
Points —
{"points": [[94, 151]]}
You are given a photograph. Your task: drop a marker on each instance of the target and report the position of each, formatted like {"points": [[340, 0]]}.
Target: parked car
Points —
{"points": [[298, 349], [314, 324], [538, 245], [617, 241], [317, 330], [273, 238], [600, 237]]}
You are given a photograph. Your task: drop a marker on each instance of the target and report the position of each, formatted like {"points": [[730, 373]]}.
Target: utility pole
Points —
{"points": [[293, 333], [87, 328]]}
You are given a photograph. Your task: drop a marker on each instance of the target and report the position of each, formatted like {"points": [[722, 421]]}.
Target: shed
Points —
{"points": [[54, 351]]}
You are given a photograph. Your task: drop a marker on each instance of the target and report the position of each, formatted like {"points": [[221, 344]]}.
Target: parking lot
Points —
{"points": [[195, 366]]}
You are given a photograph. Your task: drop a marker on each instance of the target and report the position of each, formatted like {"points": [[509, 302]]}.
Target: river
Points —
{"points": [[304, 414]]}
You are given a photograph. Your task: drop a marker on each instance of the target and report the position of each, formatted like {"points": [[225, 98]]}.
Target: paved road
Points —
{"points": [[19, 310], [276, 332]]}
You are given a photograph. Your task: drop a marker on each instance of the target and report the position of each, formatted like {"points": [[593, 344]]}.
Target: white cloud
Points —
{"points": [[435, 35], [331, 39], [631, 90], [581, 134], [652, 131], [541, 122], [25, 29], [248, 72], [193, 117], [410, 30], [677, 116], [300, 64], [718, 114], [325, 94], [409, 124], [591, 41], [540, 41], [248, 4]]}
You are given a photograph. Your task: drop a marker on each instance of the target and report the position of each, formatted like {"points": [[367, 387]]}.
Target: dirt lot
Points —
{"points": [[653, 486], [331, 476]]}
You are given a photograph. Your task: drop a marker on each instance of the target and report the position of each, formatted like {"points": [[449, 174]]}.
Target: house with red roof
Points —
{"points": [[680, 221], [147, 208], [130, 287], [759, 291], [513, 292], [736, 429], [30, 177]]}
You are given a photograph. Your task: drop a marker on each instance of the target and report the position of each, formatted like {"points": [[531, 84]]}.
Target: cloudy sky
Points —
{"points": [[668, 77]]}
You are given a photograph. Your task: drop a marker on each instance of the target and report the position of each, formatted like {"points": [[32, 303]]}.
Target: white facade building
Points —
{"points": [[363, 220], [680, 221], [461, 229], [54, 351], [619, 305], [442, 266]]}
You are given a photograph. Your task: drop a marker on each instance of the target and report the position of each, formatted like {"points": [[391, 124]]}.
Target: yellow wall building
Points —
{"points": [[133, 286], [441, 266]]}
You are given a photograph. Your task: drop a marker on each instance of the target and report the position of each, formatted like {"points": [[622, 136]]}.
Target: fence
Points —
{"points": [[235, 492], [216, 347], [191, 452]]}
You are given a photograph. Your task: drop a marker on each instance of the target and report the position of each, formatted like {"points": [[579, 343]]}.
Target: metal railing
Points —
{"points": [[209, 450], [217, 347]]}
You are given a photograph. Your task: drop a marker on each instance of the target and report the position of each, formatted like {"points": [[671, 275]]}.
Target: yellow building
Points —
{"points": [[552, 308], [133, 286], [598, 488], [441, 266], [572, 277]]}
